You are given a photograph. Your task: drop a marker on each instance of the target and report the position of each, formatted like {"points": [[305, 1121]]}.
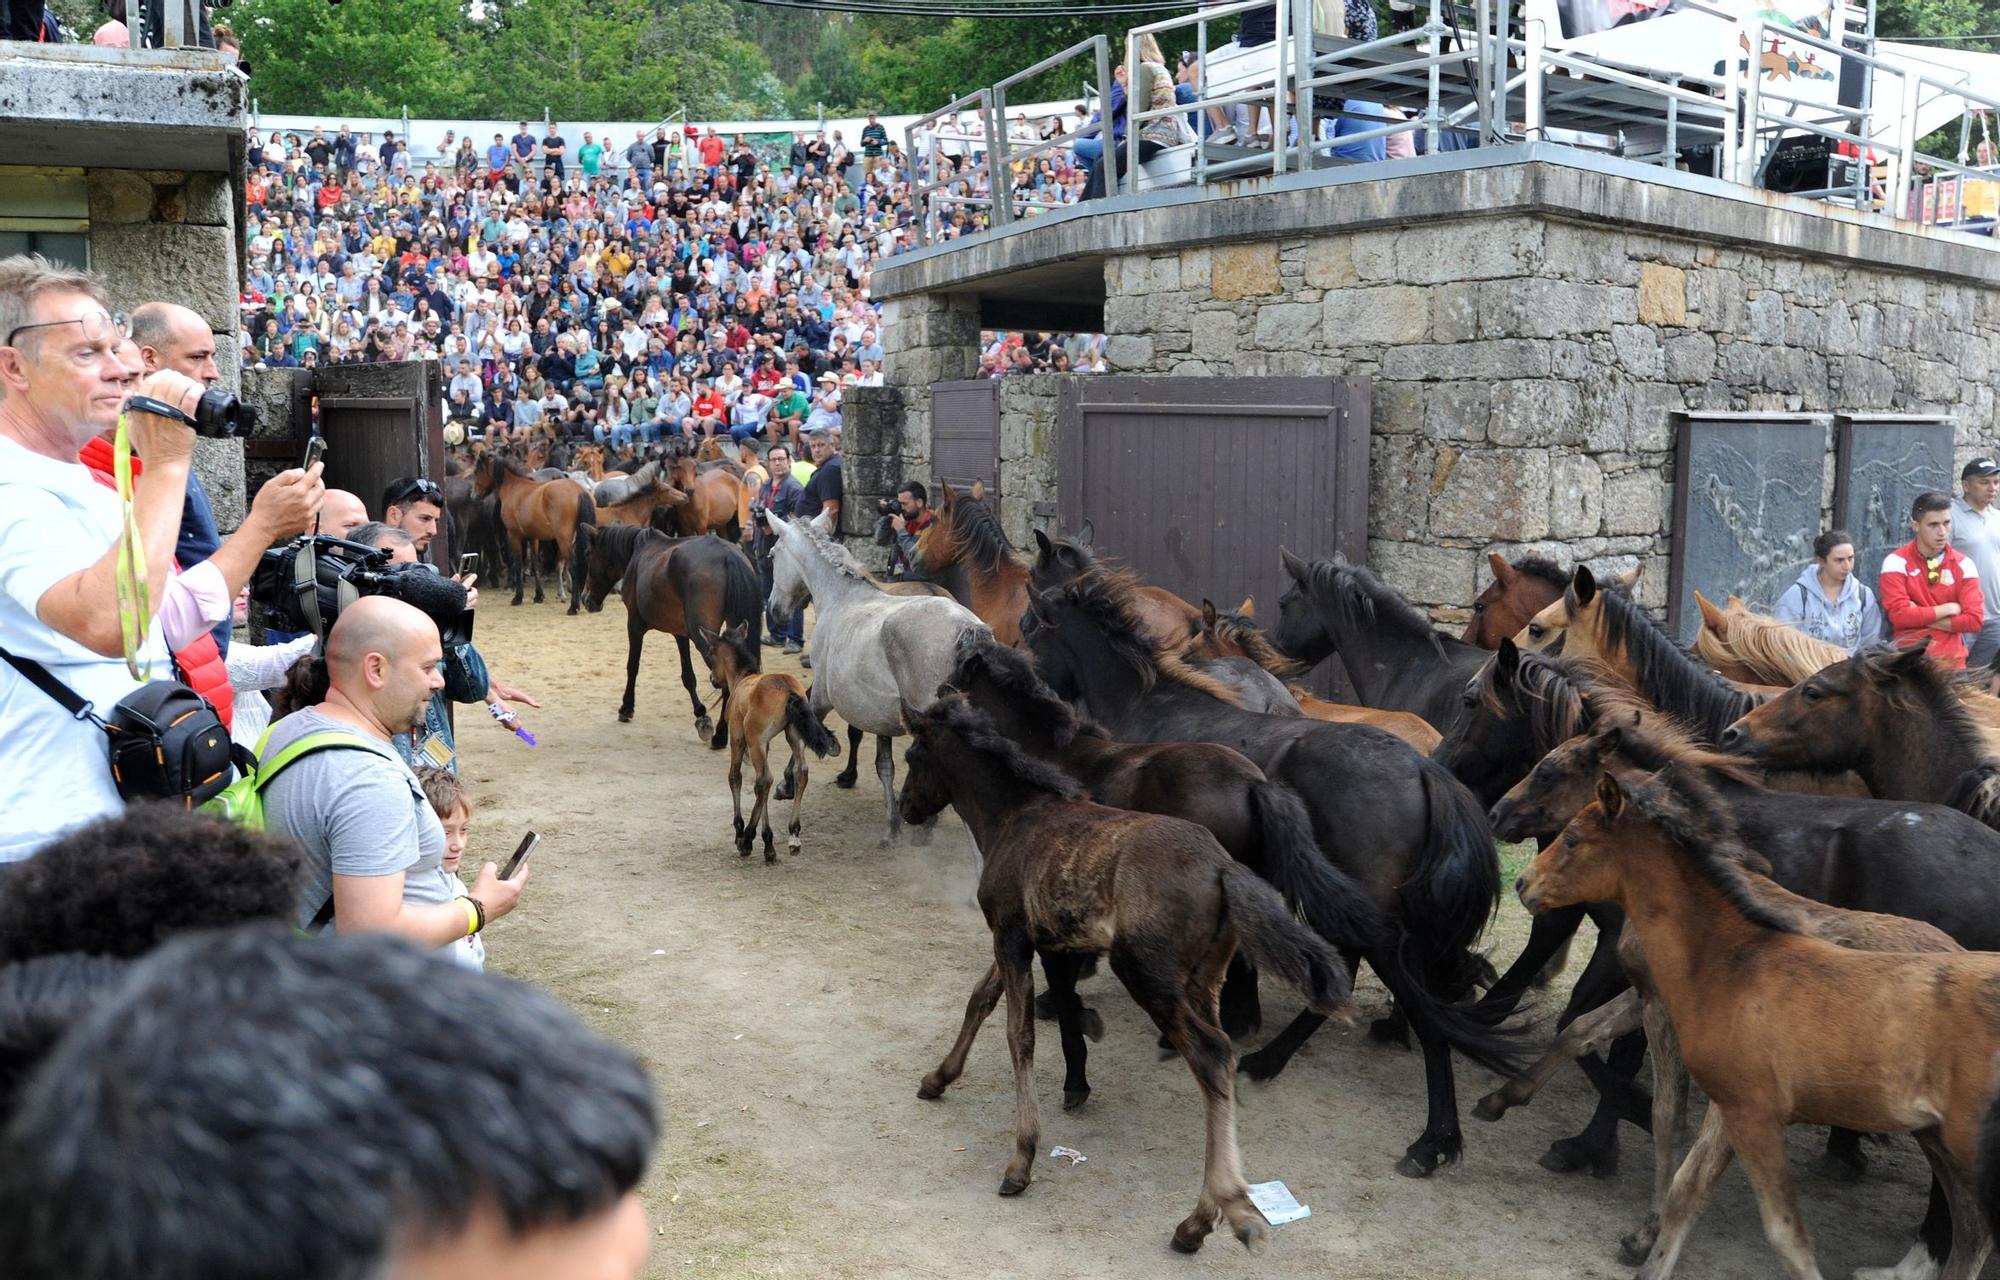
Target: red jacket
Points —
{"points": [[200, 662], [1910, 600]]}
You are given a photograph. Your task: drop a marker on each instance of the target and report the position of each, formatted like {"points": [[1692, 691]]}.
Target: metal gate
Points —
{"points": [[965, 432], [1196, 482]]}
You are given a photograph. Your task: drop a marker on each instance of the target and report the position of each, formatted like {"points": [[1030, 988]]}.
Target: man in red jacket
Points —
{"points": [[1930, 591]]}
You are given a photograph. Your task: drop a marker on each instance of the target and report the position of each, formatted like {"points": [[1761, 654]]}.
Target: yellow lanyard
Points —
{"points": [[135, 608]]}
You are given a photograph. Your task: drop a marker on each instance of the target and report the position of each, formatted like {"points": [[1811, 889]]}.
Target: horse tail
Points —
{"points": [[742, 594], [1336, 906], [1449, 896], [1277, 943], [811, 731]]}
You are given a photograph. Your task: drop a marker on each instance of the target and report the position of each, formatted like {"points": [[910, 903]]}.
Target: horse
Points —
{"points": [[1893, 717], [965, 551], [871, 651], [1778, 1027], [1392, 819], [757, 706], [1397, 660], [675, 585], [1260, 823], [717, 502], [536, 511], [633, 499], [1064, 878], [1236, 635], [1059, 560], [1517, 593]]}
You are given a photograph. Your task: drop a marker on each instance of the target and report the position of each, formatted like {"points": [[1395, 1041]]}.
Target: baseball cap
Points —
{"points": [[1980, 467]]}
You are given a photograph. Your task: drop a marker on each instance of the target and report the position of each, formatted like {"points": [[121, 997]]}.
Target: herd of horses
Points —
{"points": [[1791, 855]]}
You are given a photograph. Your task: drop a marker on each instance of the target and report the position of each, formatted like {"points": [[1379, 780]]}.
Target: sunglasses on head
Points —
{"points": [[429, 490]]}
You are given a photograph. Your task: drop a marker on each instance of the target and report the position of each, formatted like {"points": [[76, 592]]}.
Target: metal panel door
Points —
{"points": [[965, 432], [1196, 482], [383, 423]]}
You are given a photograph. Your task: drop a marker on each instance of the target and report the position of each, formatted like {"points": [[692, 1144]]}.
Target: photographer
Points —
{"points": [[898, 522], [62, 383]]}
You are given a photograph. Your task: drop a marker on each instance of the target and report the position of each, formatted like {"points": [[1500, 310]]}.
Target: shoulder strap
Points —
{"points": [[39, 676], [306, 744]]}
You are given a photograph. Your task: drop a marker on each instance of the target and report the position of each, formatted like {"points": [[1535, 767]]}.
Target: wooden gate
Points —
{"points": [[965, 433], [1196, 482]]}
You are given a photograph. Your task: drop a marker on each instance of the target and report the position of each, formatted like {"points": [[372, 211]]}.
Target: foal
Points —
{"points": [[1778, 1027], [1066, 878], [758, 707]]}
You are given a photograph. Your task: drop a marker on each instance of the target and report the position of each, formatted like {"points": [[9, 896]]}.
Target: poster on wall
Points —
{"points": [[1885, 462]]}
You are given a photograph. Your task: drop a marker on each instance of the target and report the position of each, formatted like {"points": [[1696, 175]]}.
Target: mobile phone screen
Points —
{"points": [[528, 843], [315, 450]]}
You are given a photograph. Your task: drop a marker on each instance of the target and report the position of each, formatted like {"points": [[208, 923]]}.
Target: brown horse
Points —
{"points": [[675, 585], [633, 499], [717, 502], [1068, 878], [759, 706], [1517, 593], [964, 550], [535, 511], [1236, 635], [1167, 618], [1776, 1026]]}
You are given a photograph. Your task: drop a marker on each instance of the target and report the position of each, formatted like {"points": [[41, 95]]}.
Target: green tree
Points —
{"points": [[362, 57], [833, 77]]}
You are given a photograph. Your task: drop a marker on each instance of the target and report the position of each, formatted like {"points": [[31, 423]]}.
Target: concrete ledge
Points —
{"points": [[119, 108], [1052, 257]]}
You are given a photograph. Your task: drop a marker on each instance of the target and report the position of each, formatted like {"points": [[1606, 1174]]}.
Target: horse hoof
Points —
{"points": [[704, 727], [1567, 1155], [624, 717], [783, 792], [1834, 1169], [1390, 1030], [770, 856], [1256, 1237], [1045, 1007], [1074, 1098], [1012, 1186], [931, 1089], [1093, 1025], [1491, 1107], [1635, 1247], [1189, 1236], [1259, 1066], [516, 602], [793, 845], [845, 781], [1423, 1158]]}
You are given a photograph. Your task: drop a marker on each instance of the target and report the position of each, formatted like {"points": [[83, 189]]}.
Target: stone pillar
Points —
{"points": [[926, 338], [871, 443], [1028, 454]]}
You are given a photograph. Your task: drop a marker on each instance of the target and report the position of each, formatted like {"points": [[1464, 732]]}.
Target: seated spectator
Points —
{"points": [[212, 1071]]}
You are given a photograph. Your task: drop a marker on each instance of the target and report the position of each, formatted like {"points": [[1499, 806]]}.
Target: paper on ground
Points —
{"points": [[1275, 1201]]}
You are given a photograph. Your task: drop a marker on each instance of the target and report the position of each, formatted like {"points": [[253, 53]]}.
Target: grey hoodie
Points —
{"points": [[1851, 622]]}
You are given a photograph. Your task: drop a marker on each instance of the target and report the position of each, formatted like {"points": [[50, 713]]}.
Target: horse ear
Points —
{"points": [[1249, 607], [1298, 569], [908, 712], [708, 637], [979, 490], [1507, 662], [1902, 662], [1043, 547], [1584, 584], [739, 632], [1711, 617], [1610, 795], [1630, 578], [1087, 536], [1207, 614], [1502, 571]]}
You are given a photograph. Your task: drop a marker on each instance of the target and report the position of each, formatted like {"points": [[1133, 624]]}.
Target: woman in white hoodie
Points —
{"points": [[1828, 602]]}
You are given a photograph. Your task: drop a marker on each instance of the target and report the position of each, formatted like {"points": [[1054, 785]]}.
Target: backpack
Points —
{"points": [[242, 801]]}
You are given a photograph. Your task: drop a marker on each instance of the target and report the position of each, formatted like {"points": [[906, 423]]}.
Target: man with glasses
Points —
{"points": [[62, 384]]}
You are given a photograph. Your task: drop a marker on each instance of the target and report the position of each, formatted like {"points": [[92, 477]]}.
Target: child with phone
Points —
{"points": [[454, 812]]}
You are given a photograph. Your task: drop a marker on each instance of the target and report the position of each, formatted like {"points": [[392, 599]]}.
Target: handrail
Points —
{"points": [[1097, 45]]}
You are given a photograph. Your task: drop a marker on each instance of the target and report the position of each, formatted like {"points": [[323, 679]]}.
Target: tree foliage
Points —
{"points": [[362, 57]]}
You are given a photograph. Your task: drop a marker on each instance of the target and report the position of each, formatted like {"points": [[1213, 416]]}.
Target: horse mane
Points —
{"points": [[620, 540], [955, 713], [972, 532], [838, 557], [1105, 595], [1234, 628], [1665, 672], [1657, 742], [1360, 600], [1691, 816], [1542, 567], [1013, 671], [1786, 654], [1541, 686], [1928, 691]]}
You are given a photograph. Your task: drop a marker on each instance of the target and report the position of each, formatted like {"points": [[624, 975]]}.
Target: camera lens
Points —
{"points": [[220, 414]]}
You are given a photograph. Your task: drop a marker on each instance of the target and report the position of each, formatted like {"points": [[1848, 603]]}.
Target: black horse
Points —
{"points": [[675, 585], [1390, 818], [1396, 659]]}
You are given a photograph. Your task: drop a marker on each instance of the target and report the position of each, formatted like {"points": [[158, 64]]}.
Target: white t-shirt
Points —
{"points": [[55, 770]]}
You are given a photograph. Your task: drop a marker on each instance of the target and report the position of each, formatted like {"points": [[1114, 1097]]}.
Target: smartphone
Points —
{"points": [[468, 563], [528, 843], [315, 450]]}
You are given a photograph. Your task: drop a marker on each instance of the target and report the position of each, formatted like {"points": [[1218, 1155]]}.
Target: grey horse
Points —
{"points": [[871, 651]]}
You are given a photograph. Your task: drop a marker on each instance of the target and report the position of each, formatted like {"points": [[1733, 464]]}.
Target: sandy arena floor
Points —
{"points": [[788, 1012]]}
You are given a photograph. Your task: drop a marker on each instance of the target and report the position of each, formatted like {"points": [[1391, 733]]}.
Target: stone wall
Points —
{"points": [[170, 235], [1525, 368]]}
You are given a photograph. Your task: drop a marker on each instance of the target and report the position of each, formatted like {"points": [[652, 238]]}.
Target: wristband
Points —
{"points": [[501, 712], [478, 914], [158, 408]]}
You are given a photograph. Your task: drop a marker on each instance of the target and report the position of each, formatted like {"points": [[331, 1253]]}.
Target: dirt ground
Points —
{"points": [[787, 1013]]}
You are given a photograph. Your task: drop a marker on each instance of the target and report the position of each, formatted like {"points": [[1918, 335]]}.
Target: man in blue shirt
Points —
{"points": [[524, 145], [496, 157]]}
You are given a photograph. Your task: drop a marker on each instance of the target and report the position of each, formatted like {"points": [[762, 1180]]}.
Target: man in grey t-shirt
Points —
{"points": [[372, 842], [1975, 533]]}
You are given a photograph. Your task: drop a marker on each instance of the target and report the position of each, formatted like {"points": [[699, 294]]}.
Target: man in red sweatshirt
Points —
{"points": [[1929, 591]]}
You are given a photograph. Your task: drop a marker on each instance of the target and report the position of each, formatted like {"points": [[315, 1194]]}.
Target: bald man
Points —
{"points": [[374, 848], [173, 337], [341, 513]]}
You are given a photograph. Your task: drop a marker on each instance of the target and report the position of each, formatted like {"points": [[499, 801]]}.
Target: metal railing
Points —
{"points": [[1273, 95], [1007, 155], [925, 186]]}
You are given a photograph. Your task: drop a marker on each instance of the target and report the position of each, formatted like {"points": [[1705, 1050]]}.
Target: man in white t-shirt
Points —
{"points": [[62, 383]]}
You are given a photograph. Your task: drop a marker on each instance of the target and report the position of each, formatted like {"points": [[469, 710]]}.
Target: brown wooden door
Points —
{"points": [[383, 423], [1196, 482]]}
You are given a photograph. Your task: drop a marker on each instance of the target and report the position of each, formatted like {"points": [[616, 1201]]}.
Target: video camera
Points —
{"points": [[308, 581]]}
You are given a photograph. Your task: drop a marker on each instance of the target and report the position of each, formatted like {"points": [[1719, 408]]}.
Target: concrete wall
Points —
{"points": [[1529, 325]]}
